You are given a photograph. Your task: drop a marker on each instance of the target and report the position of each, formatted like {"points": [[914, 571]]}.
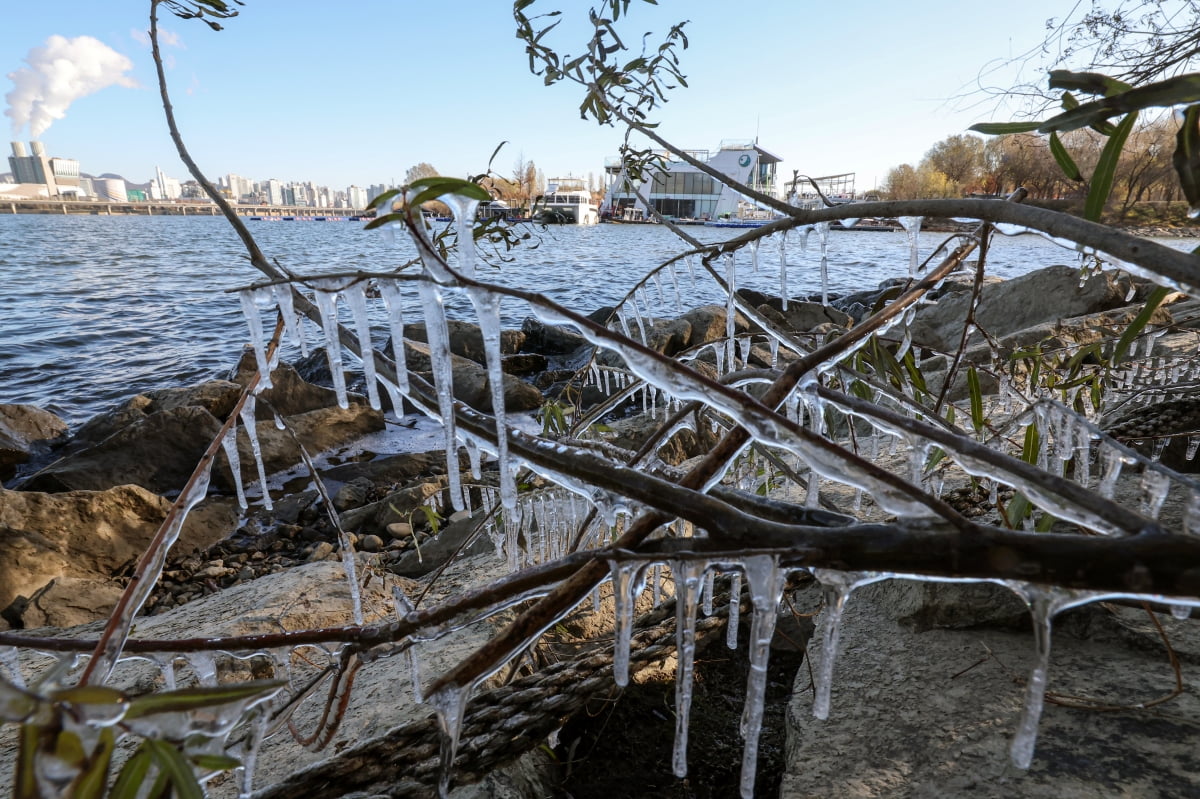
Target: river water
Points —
{"points": [[95, 309]]}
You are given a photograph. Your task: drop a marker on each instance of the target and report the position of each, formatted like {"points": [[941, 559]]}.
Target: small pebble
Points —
{"points": [[371, 543]]}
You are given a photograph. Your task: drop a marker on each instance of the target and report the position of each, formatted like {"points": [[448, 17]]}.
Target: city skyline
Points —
{"points": [[361, 95]]}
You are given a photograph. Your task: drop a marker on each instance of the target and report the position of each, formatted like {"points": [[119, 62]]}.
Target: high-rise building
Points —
{"points": [[357, 197], [163, 187], [274, 191]]}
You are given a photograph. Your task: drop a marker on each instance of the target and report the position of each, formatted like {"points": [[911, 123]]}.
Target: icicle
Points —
{"points": [[1111, 461], [773, 344], [1154, 486], [356, 299], [765, 581], [473, 458], [250, 299], [656, 585], [326, 295], [291, 319], [744, 345], [783, 281], [754, 256], [389, 290], [735, 609], [823, 236], [1192, 445], [628, 581], [450, 703], [675, 285], [912, 228], [1023, 742], [730, 308], [203, 666], [707, 592], [1181, 612], [662, 299], [250, 426], [443, 378], [836, 586], [1157, 450], [487, 309], [229, 443], [10, 666], [687, 587], [255, 733]]}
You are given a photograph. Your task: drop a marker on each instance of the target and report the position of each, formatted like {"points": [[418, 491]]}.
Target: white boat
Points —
{"points": [[566, 202]]}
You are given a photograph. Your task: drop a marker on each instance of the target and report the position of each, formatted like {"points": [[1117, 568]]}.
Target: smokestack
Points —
{"points": [[18, 149], [37, 148]]}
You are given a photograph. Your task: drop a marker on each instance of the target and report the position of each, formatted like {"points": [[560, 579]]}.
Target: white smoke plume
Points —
{"points": [[60, 72]]}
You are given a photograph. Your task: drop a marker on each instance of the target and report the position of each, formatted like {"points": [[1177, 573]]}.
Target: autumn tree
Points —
{"points": [[959, 158]]}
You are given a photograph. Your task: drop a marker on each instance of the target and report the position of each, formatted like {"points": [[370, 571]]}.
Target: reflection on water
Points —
{"points": [[96, 309]]}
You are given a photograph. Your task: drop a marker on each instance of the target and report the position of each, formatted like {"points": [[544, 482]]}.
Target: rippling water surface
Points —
{"points": [[95, 309]]}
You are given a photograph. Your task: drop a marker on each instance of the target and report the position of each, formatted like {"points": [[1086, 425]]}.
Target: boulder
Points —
{"points": [[25, 431], [466, 339], [318, 430], [65, 602], [289, 394], [91, 534], [708, 324], [1023, 302], [157, 451], [471, 383], [398, 506], [801, 317], [217, 397], [550, 339]]}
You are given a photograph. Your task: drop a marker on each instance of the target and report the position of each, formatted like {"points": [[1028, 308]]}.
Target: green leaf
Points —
{"points": [[433, 187], [1187, 155], [1018, 508], [386, 219], [133, 774], [1162, 94], [1004, 128], [188, 699], [1106, 169], [25, 782], [172, 762], [213, 762], [976, 393], [1045, 523], [91, 783], [1029, 451], [1139, 323], [1065, 162], [1090, 82]]}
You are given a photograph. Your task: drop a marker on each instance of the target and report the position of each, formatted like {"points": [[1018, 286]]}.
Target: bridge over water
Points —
{"points": [[159, 208]]}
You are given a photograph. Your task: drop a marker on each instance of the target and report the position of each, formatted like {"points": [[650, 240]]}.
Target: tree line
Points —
{"points": [[968, 165]]}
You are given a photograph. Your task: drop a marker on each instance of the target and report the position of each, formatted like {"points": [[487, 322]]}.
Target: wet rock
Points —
{"points": [[526, 363], [158, 451], [471, 382], [1022, 302], [89, 534], [217, 397], [802, 316], [466, 339], [396, 507], [26, 431], [353, 494], [371, 543], [65, 602], [550, 339], [399, 530], [707, 324]]}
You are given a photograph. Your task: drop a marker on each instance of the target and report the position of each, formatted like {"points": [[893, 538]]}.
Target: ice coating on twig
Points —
{"points": [[326, 295], [687, 590], [766, 581]]}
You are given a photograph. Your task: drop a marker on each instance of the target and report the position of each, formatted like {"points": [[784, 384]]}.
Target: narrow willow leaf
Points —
{"points": [[25, 782], [188, 699], [1045, 523], [1090, 82], [133, 775], [1065, 162], [380, 221], [1016, 510], [172, 762], [1162, 94], [1029, 451], [1187, 155], [91, 783], [914, 372], [1139, 322], [1004, 128], [215, 762], [1106, 169], [976, 399]]}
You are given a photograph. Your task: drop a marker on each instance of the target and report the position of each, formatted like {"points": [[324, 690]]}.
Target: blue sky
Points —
{"points": [[357, 92]]}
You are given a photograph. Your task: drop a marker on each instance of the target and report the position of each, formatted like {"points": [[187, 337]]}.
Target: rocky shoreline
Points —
{"points": [[80, 506]]}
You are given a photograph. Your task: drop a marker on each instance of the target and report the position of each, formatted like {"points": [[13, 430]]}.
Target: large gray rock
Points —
{"points": [[932, 714], [466, 339], [708, 324], [26, 430], [471, 383], [90, 534], [1004, 308], [158, 451]]}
